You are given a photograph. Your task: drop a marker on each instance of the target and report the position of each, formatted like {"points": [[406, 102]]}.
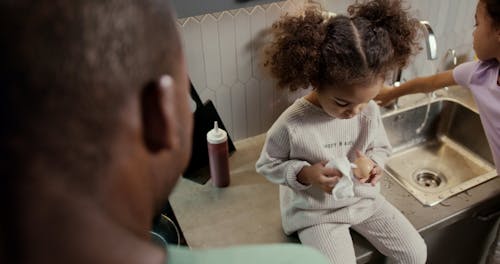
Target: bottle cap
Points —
{"points": [[216, 135]]}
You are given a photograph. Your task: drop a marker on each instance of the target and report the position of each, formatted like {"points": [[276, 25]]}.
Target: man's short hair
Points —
{"points": [[67, 69]]}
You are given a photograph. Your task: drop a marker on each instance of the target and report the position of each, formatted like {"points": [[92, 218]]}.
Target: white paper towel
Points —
{"points": [[344, 187]]}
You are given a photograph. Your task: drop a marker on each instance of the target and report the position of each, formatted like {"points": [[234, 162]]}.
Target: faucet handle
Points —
{"points": [[453, 53]]}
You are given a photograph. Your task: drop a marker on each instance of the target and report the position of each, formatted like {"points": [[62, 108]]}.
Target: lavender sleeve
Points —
{"points": [[463, 72]]}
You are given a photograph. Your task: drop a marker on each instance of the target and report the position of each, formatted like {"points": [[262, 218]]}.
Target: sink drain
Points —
{"points": [[428, 178]]}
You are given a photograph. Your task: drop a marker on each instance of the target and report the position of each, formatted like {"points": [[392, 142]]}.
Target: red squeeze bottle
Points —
{"points": [[218, 156]]}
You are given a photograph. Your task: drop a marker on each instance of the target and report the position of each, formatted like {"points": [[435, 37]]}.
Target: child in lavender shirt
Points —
{"points": [[481, 77]]}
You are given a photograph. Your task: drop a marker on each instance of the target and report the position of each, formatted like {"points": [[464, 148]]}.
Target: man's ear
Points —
{"points": [[158, 117]]}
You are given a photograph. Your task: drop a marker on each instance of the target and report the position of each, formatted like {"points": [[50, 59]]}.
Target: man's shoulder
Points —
{"points": [[272, 253]]}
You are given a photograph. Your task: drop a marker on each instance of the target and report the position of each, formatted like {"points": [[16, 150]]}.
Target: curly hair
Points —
{"points": [[374, 38], [493, 9]]}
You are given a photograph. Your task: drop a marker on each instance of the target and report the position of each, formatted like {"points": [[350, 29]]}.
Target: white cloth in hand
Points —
{"points": [[344, 187]]}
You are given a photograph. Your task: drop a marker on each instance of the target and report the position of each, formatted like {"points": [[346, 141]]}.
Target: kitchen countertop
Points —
{"points": [[247, 212]]}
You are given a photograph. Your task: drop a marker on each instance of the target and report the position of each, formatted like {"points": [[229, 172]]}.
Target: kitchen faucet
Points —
{"points": [[430, 41], [431, 47]]}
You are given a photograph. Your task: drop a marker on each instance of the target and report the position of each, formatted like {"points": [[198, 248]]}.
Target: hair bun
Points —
{"points": [[390, 16], [381, 13]]}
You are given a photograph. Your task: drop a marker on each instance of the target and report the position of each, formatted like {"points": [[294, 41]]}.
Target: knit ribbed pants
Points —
{"points": [[387, 230]]}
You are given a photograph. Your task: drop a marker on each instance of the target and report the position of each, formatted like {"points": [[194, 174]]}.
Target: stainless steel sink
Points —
{"points": [[440, 155]]}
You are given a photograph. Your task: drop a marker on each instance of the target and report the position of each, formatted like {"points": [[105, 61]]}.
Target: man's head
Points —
{"points": [[91, 89]]}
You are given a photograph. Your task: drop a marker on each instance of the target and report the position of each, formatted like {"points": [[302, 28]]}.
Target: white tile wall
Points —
{"points": [[224, 59]]}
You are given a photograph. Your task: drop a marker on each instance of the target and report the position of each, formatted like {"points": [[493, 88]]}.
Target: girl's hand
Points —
{"points": [[367, 170], [319, 175], [364, 166], [385, 96], [375, 175]]}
